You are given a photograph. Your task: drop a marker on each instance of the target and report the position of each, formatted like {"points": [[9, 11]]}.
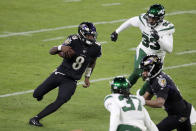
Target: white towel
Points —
{"points": [[193, 116]]}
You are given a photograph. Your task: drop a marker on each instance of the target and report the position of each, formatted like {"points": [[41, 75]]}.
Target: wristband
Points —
{"points": [[59, 47], [88, 72]]}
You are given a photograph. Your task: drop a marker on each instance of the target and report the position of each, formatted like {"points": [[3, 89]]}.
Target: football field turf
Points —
{"points": [[28, 29]]}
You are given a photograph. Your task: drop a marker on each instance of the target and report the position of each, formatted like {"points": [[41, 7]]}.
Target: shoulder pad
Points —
{"points": [[74, 37], [67, 41], [162, 81], [167, 26], [70, 39], [107, 97]]}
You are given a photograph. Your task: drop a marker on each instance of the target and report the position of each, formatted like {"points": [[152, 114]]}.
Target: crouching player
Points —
{"points": [[181, 113], [127, 112]]}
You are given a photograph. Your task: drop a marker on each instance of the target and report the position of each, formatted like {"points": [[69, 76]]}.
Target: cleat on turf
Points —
{"points": [[35, 122]]}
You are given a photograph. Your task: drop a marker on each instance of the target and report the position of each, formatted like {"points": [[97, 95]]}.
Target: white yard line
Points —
{"points": [[186, 52], [17, 93], [72, 0], [182, 12], [110, 4], [38, 31], [74, 26], [103, 42], [97, 80], [132, 49], [58, 28], [62, 37], [179, 66]]}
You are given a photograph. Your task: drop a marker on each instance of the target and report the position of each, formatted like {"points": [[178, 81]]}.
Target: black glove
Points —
{"points": [[114, 36], [154, 34]]}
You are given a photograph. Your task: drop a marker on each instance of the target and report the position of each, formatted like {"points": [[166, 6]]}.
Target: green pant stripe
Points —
{"points": [[136, 74], [142, 54], [137, 71], [122, 127]]}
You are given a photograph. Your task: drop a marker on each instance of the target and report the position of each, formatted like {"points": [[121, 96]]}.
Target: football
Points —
{"points": [[68, 53], [61, 54]]}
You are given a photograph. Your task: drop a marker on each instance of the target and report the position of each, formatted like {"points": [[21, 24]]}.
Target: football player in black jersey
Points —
{"points": [[167, 96], [79, 53]]}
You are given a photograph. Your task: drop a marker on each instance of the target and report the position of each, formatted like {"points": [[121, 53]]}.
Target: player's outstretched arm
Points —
{"points": [[134, 21], [114, 36]]}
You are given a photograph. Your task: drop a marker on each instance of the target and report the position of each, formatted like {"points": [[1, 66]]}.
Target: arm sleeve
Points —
{"points": [[166, 42], [99, 52], [134, 21], [148, 122], [114, 110]]}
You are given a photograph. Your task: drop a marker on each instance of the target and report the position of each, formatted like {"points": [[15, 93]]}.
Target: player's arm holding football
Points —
{"points": [[63, 51]]}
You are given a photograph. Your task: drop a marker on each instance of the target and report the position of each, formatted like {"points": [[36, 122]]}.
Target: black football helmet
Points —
{"points": [[87, 32], [120, 85], [152, 64], [156, 13]]}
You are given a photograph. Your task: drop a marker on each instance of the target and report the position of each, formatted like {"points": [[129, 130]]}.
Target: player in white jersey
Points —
{"points": [[157, 37], [127, 112]]}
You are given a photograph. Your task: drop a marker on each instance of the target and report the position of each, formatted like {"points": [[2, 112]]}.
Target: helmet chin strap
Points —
{"points": [[151, 70], [84, 39], [156, 73], [152, 76]]}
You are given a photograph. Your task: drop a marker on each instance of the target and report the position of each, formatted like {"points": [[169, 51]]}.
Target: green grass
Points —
{"points": [[25, 61]]}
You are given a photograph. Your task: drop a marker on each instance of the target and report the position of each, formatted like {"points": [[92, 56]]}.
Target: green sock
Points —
{"points": [[134, 76], [144, 88]]}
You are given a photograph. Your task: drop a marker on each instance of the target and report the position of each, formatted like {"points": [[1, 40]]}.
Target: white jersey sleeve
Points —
{"points": [[114, 110], [166, 36], [134, 21], [148, 122], [166, 43]]}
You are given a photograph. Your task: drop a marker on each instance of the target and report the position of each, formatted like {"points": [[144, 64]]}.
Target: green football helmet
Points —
{"points": [[120, 85], [155, 15]]}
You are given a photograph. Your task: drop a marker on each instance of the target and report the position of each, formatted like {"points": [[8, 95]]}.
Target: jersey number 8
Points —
{"points": [[78, 63]]}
